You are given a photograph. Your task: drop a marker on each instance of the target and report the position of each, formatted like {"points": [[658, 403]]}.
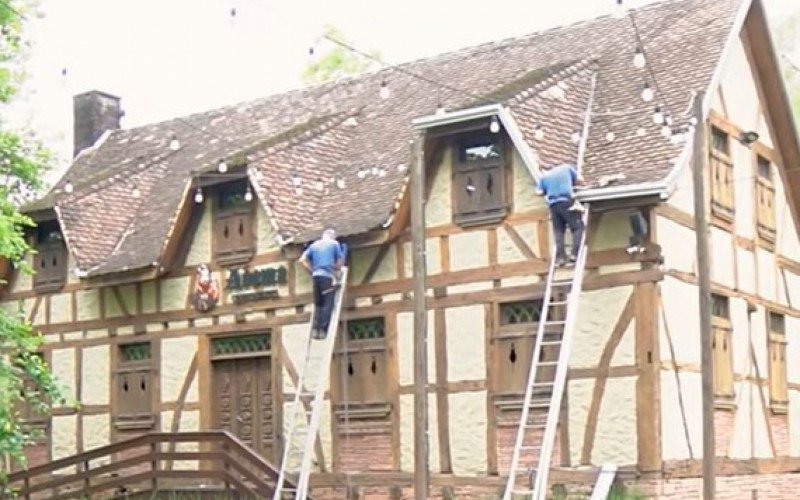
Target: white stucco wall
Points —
{"points": [[200, 249], [680, 256], [722, 264], [405, 348], [95, 374], [673, 440], [598, 315], [468, 433], [617, 417], [176, 358], [466, 337], [683, 320], [407, 433], [437, 208]]}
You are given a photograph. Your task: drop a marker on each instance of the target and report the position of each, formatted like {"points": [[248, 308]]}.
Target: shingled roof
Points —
{"points": [[332, 131]]}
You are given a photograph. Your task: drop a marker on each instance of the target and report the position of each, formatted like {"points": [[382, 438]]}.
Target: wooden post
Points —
{"points": [[420, 321], [704, 278]]}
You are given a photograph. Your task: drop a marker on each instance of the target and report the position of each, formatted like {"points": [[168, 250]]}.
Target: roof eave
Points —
{"points": [[485, 111], [661, 189]]}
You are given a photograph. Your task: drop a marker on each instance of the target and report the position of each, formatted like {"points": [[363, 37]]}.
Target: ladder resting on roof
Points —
{"points": [[312, 381], [533, 448]]}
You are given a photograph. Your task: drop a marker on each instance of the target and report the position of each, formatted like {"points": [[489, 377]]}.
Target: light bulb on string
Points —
{"points": [[494, 125], [135, 191], [298, 191], [374, 170], [641, 132], [381, 172], [693, 121], [259, 175], [538, 132], [384, 92], [248, 195], [401, 167], [440, 109], [658, 116], [610, 136], [319, 185], [340, 182], [639, 60], [668, 120], [296, 180], [68, 187], [576, 137], [222, 167], [174, 144], [198, 196], [647, 93], [362, 172], [666, 131]]}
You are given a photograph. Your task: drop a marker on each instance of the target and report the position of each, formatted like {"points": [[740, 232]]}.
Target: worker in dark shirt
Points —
{"points": [[323, 259]]}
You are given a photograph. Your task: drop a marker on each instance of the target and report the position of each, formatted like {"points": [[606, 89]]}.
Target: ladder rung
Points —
{"points": [[547, 363], [556, 322], [535, 426], [542, 384], [559, 302], [551, 342], [531, 447]]}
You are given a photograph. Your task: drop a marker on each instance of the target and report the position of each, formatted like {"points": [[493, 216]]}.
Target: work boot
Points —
{"points": [[561, 261]]}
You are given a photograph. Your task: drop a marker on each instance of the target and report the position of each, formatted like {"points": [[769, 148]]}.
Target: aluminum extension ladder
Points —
{"points": [[303, 424], [557, 334]]}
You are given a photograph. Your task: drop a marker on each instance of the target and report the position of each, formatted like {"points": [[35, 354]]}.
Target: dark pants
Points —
{"points": [[323, 302], [562, 217]]}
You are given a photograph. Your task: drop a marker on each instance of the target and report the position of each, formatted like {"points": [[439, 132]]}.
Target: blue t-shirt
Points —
{"points": [[557, 183], [322, 256]]}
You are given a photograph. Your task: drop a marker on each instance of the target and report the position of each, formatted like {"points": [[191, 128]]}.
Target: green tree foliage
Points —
{"points": [[336, 61], [25, 380]]}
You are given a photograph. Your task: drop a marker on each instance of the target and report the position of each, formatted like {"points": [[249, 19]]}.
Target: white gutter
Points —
{"points": [[628, 191], [462, 115]]}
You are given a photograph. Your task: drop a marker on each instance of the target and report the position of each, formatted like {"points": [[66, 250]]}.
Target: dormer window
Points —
{"points": [[50, 260], [234, 239], [479, 179]]}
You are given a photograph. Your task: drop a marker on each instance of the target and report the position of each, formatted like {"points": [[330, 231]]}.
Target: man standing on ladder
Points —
{"points": [[323, 259], [557, 185]]}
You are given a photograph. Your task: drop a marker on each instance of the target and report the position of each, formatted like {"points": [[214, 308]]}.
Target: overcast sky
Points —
{"points": [[175, 57]]}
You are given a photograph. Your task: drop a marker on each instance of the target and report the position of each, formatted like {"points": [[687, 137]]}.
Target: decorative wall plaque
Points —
{"points": [[206, 290]]}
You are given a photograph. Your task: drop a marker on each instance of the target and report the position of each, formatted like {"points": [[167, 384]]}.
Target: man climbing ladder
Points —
{"points": [[323, 259], [557, 185]]}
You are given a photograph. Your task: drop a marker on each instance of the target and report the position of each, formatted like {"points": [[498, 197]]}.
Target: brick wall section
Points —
{"points": [[747, 487], [723, 430], [779, 426], [743, 487], [365, 452], [506, 439]]}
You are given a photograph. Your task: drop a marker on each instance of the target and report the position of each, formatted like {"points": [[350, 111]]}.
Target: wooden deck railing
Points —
{"points": [[145, 463]]}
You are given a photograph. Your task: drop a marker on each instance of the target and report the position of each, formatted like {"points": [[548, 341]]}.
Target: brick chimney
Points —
{"points": [[94, 112]]}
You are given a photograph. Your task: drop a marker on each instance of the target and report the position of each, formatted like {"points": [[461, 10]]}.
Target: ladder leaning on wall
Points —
{"points": [[312, 381], [535, 437]]}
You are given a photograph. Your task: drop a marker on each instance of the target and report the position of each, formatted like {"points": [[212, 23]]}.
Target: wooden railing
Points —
{"points": [[147, 463]]}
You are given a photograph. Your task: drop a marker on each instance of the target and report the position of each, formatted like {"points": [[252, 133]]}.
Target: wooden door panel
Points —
{"points": [[244, 404]]}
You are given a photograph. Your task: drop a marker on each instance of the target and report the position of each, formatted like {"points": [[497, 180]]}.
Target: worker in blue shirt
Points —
{"points": [[557, 186], [323, 259]]}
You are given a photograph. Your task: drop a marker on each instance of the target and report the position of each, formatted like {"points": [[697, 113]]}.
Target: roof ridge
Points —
{"points": [[554, 79]]}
